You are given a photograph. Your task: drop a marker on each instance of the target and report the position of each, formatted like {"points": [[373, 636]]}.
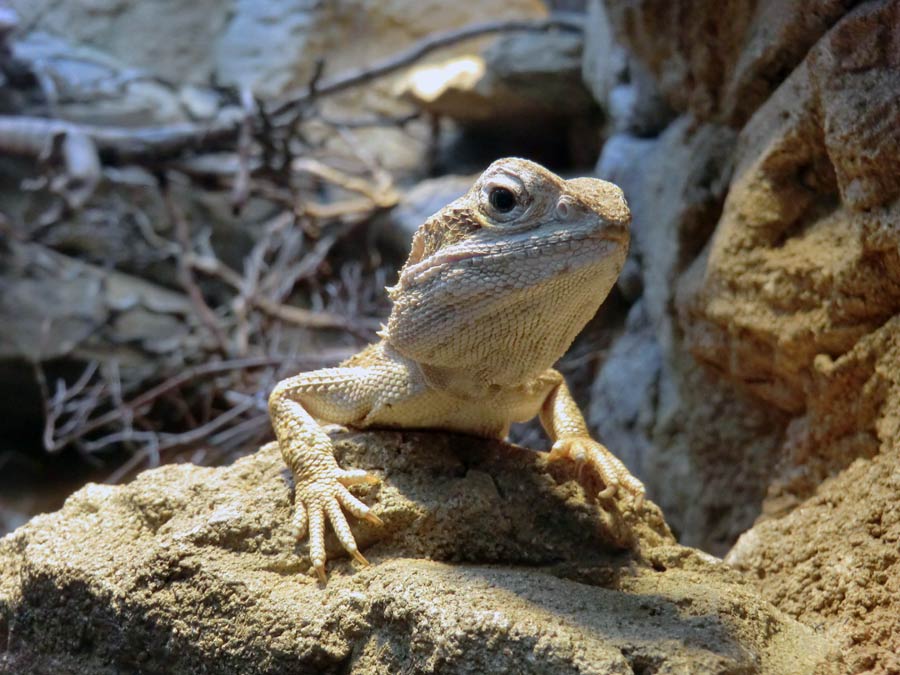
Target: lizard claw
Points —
{"points": [[372, 518], [614, 474], [316, 500]]}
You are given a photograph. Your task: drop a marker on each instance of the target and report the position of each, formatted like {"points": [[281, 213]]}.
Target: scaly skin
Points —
{"points": [[496, 287]]}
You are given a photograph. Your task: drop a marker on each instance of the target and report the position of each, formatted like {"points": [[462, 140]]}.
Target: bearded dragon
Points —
{"points": [[496, 287]]}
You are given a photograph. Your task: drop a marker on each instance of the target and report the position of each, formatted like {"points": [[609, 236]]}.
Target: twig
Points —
{"points": [[131, 464], [293, 315], [381, 195], [170, 441], [236, 435], [399, 121], [240, 191], [149, 396], [186, 275]]}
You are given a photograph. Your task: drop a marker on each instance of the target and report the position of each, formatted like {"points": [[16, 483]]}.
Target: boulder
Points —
{"points": [[488, 562], [720, 62], [529, 78], [620, 83], [835, 560], [800, 284], [522, 95]]}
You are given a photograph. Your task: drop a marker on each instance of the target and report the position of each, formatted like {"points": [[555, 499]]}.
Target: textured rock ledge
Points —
{"points": [[487, 563]]}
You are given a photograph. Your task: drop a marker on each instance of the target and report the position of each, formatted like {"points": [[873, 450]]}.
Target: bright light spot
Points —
{"points": [[429, 82]]}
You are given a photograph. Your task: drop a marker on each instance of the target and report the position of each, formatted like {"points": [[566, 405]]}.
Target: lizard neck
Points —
{"points": [[499, 338]]}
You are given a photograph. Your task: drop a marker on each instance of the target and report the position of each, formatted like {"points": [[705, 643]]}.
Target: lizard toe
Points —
{"points": [[355, 477], [356, 507], [300, 523], [316, 519], [340, 525]]}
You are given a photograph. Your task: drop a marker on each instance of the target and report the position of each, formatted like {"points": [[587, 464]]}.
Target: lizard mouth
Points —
{"points": [[580, 247], [618, 234]]}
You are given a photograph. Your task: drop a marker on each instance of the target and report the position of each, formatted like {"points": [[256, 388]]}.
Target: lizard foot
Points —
{"points": [[614, 474], [323, 497]]}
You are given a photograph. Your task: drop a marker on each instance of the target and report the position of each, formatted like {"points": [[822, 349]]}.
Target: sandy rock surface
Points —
{"points": [[835, 561], [486, 563], [721, 62], [797, 295]]}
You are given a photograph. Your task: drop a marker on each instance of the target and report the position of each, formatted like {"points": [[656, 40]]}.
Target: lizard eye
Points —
{"points": [[502, 199]]}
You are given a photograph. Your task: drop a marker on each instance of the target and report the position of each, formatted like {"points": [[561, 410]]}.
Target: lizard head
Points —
{"points": [[501, 281]]}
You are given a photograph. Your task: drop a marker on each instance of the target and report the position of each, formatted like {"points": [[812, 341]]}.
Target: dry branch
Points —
{"points": [[30, 135], [186, 275], [58, 408]]}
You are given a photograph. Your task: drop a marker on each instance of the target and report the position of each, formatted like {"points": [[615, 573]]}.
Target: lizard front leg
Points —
{"points": [[564, 423], [338, 395]]}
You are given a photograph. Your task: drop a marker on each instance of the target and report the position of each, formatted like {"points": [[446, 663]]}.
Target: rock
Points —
{"points": [[267, 46], [835, 561], [272, 48], [605, 62], [200, 103], [356, 33], [621, 84], [720, 63], [519, 78], [674, 186], [64, 307], [13, 516], [172, 42], [804, 259], [520, 83], [623, 395], [795, 275], [485, 564], [9, 21], [837, 428], [92, 87], [782, 276]]}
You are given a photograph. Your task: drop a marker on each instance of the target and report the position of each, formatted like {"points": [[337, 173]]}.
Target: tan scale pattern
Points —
{"points": [[487, 302]]}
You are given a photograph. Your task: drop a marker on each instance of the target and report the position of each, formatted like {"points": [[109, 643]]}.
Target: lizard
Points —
{"points": [[495, 288]]}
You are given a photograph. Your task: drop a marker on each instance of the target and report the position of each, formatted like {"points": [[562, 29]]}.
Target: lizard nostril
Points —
{"points": [[564, 209]]}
